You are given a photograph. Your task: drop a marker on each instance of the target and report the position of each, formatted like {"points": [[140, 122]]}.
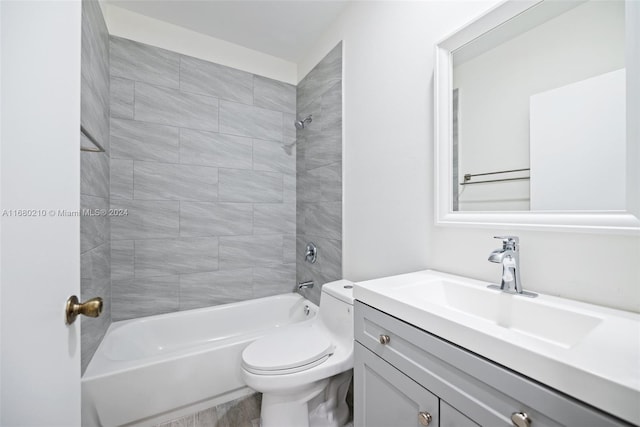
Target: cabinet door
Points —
{"points": [[450, 417], [384, 397]]}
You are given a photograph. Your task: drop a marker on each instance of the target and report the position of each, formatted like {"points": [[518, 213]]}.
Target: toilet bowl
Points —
{"points": [[297, 364]]}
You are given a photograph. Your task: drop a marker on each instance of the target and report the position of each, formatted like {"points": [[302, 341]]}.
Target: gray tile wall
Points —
{"points": [[203, 161], [319, 173], [95, 258]]}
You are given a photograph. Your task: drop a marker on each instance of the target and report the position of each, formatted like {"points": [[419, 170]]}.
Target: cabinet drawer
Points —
{"points": [[384, 396], [484, 391]]}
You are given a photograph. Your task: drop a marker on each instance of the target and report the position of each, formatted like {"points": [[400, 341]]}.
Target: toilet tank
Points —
{"points": [[336, 308]]}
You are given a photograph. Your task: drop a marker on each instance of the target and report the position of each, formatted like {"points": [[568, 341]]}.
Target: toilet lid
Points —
{"points": [[290, 348]]}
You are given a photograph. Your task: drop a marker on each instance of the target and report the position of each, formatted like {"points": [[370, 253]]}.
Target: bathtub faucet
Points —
{"points": [[305, 285]]}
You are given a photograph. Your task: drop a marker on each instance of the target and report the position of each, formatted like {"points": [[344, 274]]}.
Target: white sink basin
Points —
{"points": [[560, 325], [589, 352]]}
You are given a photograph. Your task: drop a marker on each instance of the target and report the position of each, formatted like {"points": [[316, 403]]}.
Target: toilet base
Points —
{"points": [[289, 408], [321, 404]]}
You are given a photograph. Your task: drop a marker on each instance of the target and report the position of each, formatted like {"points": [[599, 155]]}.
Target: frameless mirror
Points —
{"points": [[533, 116]]}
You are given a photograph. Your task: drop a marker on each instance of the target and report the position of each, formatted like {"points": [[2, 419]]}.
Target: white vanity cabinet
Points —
{"points": [[405, 376]]}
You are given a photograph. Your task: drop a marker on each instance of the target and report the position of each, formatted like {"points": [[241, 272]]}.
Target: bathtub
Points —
{"points": [[162, 366]]}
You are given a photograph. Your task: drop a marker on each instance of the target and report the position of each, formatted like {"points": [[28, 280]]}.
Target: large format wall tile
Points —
{"points": [[204, 162], [95, 257], [216, 80], [215, 149], [121, 179], [248, 186], [274, 95], [94, 229], [273, 156], [319, 173], [289, 191], [145, 220], [273, 280], [94, 112], [327, 268], [320, 78], [94, 100], [144, 141], [94, 172], [274, 218], [122, 259], [95, 281], [164, 181], [219, 287], [144, 63], [325, 149], [323, 184], [289, 249], [247, 120], [249, 251], [172, 107], [331, 104], [121, 98], [162, 257], [322, 219], [144, 297], [215, 219]]}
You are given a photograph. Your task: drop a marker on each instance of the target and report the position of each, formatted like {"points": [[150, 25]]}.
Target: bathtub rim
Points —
{"points": [[123, 366]]}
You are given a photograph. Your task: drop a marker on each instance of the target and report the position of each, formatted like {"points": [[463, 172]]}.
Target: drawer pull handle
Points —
{"points": [[384, 339], [520, 419], [425, 418]]}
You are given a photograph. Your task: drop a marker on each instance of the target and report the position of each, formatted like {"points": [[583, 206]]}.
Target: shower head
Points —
{"points": [[300, 124]]}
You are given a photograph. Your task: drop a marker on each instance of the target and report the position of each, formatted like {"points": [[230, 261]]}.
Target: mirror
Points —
{"points": [[533, 117]]}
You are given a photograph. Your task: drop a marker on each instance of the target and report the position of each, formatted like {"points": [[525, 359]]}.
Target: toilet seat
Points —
{"points": [[286, 352]]}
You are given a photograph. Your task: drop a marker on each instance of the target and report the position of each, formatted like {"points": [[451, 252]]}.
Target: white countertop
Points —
{"points": [[586, 351]]}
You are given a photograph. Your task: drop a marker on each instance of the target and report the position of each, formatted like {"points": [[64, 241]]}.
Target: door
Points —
{"points": [[384, 396], [39, 177]]}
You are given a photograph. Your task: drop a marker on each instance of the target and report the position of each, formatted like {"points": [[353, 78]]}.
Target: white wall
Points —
{"points": [[495, 88], [388, 167], [134, 26], [388, 131]]}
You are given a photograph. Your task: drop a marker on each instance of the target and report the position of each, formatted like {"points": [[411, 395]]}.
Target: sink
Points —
{"points": [[586, 351], [557, 324]]}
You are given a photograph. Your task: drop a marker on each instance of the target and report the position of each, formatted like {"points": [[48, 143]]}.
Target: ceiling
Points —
{"points": [[285, 29]]}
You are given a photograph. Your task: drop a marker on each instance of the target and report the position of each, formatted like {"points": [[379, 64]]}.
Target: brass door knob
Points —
{"points": [[520, 419], [91, 308], [424, 418], [384, 339]]}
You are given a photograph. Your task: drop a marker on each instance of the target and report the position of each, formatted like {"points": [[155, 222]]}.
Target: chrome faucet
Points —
{"points": [[305, 285], [509, 257]]}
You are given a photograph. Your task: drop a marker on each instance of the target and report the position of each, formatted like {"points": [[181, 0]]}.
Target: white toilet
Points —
{"points": [[293, 366]]}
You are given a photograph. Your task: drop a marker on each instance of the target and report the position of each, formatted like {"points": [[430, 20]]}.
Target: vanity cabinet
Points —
{"points": [[405, 376]]}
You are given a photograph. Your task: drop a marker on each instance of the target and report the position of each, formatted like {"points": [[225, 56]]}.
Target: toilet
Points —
{"points": [[304, 370]]}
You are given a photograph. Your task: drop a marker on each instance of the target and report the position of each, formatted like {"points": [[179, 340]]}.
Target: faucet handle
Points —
{"points": [[508, 241]]}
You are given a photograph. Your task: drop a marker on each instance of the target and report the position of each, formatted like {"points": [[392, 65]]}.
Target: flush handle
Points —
{"points": [[520, 419], [424, 418], [384, 339], [91, 308]]}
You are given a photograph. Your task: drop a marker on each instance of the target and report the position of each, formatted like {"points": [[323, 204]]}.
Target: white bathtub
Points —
{"points": [[174, 363]]}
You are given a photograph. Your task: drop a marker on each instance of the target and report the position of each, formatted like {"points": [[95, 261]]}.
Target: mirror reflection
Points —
{"points": [[539, 112]]}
